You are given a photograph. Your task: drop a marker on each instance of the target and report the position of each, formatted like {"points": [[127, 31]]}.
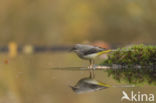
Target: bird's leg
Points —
{"points": [[92, 65], [90, 68], [90, 75]]}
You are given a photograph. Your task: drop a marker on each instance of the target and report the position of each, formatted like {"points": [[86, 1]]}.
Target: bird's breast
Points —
{"points": [[91, 56]]}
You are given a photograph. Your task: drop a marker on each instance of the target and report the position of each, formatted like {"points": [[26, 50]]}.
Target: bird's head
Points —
{"points": [[75, 48], [75, 89]]}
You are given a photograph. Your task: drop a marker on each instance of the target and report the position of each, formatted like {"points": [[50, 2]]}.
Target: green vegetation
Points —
{"points": [[133, 55], [139, 60], [134, 76]]}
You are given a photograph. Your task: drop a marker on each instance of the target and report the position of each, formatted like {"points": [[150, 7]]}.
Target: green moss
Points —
{"points": [[134, 55], [134, 76], [142, 55]]}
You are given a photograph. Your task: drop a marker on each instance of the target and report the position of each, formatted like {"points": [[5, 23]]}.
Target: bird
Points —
{"points": [[88, 52], [88, 84]]}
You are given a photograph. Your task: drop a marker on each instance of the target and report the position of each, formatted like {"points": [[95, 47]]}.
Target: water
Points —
{"points": [[35, 79]]}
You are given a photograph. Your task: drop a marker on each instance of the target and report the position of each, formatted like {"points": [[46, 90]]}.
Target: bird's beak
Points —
{"points": [[70, 86], [73, 88]]}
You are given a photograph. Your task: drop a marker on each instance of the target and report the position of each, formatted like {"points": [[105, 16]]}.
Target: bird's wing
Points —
{"points": [[92, 50]]}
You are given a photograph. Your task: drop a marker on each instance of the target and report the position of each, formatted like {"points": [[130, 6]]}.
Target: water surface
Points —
{"points": [[35, 79]]}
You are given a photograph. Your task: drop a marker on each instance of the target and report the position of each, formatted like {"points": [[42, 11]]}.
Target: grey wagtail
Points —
{"points": [[88, 85], [88, 52]]}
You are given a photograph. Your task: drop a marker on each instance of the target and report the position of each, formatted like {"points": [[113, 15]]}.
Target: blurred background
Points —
{"points": [[52, 22], [49, 25]]}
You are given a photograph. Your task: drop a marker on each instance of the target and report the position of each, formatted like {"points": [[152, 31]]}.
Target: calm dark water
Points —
{"points": [[35, 79]]}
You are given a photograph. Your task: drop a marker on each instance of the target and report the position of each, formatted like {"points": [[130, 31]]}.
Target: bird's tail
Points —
{"points": [[123, 86], [104, 52], [103, 84]]}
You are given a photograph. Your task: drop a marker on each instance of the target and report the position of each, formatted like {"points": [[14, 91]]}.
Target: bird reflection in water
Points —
{"points": [[88, 84]]}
